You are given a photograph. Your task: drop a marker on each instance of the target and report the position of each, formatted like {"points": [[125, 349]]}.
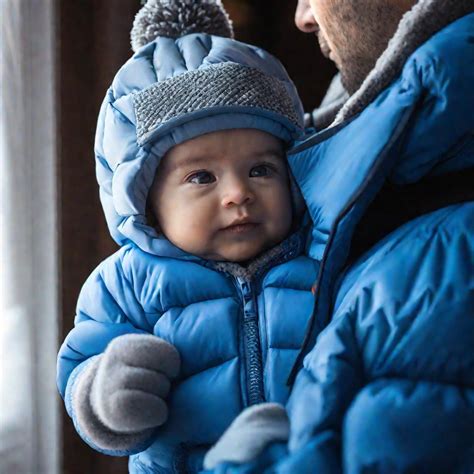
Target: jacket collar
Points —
{"points": [[286, 250]]}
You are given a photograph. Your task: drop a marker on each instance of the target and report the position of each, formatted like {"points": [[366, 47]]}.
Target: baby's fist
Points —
{"points": [[132, 382]]}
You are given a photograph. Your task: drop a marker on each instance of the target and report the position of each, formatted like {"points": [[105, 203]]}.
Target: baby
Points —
{"points": [[203, 310]]}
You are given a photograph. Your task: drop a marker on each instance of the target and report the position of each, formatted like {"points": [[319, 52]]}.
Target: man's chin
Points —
{"points": [[350, 82]]}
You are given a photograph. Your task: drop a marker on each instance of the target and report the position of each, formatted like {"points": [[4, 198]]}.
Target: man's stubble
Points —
{"points": [[359, 32]]}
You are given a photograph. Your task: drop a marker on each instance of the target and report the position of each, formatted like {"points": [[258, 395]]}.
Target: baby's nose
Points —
{"points": [[237, 193]]}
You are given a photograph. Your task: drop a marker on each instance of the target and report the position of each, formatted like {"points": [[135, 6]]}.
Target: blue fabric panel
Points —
{"points": [[136, 74], [267, 459], [108, 296], [331, 172], [168, 60], [445, 68], [205, 334], [192, 405], [277, 368], [221, 404], [287, 312], [400, 426], [404, 311], [195, 49], [412, 319], [167, 283], [314, 405], [298, 274], [119, 141], [321, 455]]}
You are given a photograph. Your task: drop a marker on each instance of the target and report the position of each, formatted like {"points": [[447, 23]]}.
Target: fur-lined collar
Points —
{"points": [[426, 18]]}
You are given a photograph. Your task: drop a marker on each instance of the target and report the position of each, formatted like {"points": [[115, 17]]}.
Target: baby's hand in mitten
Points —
{"points": [[132, 382]]}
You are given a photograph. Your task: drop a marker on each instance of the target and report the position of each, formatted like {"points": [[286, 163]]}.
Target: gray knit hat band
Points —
{"points": [[220, 85]]}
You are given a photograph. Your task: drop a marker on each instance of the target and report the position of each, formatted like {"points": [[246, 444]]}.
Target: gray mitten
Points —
{"points": [[132, 381], [119, 398], [249, 434]]}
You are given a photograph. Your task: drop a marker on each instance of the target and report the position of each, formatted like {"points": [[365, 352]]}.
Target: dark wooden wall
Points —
{"points": [[93, 42]]}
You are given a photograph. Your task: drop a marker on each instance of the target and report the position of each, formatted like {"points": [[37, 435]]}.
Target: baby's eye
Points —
{"points": [[260, 171], [201, 177]]}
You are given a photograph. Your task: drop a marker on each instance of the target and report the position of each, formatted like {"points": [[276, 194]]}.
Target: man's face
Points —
{"points": [[224, 195], [351, 33]]}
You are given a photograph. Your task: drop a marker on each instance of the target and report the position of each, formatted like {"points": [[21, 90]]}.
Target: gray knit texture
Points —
{"points": [[92, 428], [176, 18], [219, 85], [132, 382]]}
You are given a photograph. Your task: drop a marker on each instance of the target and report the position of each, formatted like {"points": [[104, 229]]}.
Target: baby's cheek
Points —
{"points": [[282, 210]]}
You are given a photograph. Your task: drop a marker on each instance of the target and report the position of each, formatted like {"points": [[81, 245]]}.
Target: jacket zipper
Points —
{"points": [[253, 353]]}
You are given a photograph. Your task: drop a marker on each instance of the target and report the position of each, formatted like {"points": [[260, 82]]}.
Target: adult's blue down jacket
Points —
{"points": [[388, 386]]}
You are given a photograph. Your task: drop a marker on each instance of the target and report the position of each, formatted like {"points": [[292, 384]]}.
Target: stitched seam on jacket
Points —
{"points": [[304, 290], [186, 305]]}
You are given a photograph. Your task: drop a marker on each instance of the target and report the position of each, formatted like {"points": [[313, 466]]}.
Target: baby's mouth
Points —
{"points": [[240, 226]]}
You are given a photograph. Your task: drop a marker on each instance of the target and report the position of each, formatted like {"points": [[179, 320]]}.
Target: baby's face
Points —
{"points": [[224, 195]]}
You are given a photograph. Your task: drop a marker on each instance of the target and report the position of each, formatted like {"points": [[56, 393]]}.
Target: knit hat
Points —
{"points": [[187, 77]]}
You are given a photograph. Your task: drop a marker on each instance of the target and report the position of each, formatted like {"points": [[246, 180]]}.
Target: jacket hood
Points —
{"points": [[170, 91]]}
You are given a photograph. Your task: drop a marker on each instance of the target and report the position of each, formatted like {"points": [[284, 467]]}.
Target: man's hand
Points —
{"points": [[249, 434], [132, 381]]}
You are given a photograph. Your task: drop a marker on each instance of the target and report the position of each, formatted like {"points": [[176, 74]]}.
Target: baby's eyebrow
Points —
{"points": [[191, 161], [271, 152], [202, 161]]}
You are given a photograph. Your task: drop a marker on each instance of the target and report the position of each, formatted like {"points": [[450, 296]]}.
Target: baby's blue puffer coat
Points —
{"points": [[238, 332], [388, 385]]}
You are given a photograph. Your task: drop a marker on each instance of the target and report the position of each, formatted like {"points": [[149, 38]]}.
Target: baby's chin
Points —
{"points": [[242, 253]]}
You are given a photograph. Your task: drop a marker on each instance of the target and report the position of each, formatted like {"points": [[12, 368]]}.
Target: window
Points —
{"points": [[28, 257]]}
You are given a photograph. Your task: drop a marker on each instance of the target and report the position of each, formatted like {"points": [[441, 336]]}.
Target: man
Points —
{"points": [[385, 382]]}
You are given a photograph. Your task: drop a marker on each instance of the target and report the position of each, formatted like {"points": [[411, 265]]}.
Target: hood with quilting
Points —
{"points": [[172, 90]]}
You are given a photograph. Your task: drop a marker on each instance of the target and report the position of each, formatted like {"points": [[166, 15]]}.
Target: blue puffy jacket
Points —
{"points": [[237, 337], [238, 331], [388, 386]]}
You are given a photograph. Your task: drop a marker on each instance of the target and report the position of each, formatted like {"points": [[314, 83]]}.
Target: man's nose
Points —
{"points": [[237, 192], [304, 18]]}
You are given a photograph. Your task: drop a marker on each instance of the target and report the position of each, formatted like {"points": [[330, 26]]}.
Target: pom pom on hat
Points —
{"points": [[175, 18]]}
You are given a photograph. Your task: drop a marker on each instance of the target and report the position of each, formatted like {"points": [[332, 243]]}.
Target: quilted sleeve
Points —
{"points": [[108, 307]]}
